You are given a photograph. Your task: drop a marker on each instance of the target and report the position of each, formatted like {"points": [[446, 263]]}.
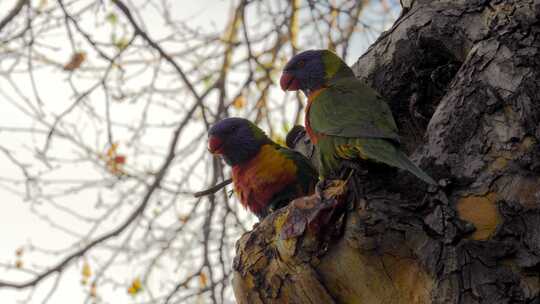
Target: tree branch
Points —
{"points": [[213, 189], [161, 52], [13, 13], [155, 185]]}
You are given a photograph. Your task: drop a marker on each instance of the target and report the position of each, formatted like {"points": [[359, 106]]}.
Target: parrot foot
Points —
{"points": [[330, 188], [335, 188]]}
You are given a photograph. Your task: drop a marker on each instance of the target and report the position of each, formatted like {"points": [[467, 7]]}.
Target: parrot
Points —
{"points": [[346, 120], [266, 176], [298, 140]]}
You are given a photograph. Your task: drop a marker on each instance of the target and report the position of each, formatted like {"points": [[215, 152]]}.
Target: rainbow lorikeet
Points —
{"points": [[266, 176], [345, 118]]}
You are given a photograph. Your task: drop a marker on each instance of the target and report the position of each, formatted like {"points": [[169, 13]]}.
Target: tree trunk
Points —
{"points": [[463, 80]]}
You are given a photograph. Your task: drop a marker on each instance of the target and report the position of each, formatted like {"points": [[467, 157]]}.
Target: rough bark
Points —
{"points": [[463, 81]]}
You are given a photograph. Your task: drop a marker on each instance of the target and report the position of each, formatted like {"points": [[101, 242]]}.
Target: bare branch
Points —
{"points": [[213, 189], [136, 213], [13, 13]]}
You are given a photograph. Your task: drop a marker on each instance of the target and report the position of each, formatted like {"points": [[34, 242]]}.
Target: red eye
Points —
{"points": [[301, 64]]}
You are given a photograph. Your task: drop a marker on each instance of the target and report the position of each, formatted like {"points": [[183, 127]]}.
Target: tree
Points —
{"points": [[104, 107], [463, 81]]}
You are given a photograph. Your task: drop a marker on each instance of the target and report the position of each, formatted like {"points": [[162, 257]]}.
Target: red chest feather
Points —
{"points": [[257, 181], [311, 98], [307, 124]]}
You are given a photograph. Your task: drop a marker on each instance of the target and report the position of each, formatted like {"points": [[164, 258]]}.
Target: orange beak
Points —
{"points": [[288, 82], [215, 145]]}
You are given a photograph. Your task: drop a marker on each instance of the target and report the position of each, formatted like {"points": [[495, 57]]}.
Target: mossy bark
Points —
{"points": [[463, 82]]}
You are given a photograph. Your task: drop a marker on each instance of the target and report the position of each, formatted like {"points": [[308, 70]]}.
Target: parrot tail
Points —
{"points": [[405, 163], [381, 150]]}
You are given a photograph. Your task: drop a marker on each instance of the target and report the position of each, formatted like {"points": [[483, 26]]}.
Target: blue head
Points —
{"points": [[313, 69], [237, 140]]}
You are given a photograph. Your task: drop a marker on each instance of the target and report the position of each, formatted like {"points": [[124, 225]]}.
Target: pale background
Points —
{"points": [[51, 226]]}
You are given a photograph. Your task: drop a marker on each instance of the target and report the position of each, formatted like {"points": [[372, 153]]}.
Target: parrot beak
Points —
{"points": [[215, 145], [288, 82]]}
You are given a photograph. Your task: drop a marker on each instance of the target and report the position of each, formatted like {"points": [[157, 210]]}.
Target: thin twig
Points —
{"points": [[134, 215], [13, 13], [213, 189]]}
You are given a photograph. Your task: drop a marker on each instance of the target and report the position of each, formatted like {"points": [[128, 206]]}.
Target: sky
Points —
{"points": [[19, 225]]}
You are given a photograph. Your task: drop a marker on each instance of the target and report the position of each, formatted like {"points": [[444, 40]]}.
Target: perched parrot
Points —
{"points": [[298, 140], [266, 176], [345, 118]]}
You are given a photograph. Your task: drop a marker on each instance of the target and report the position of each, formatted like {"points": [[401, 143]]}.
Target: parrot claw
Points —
{"points": [[335, 188]]}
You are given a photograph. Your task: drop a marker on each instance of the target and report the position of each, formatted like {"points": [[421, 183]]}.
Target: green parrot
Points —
{"points": [[345, 118]]}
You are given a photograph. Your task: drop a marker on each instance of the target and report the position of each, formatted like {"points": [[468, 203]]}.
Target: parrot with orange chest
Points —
{"points": [[346, 120], [266, 176]]}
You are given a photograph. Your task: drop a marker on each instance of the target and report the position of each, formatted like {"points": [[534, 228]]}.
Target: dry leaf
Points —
{"points": [[93, 290], [120, 159], [112, 150], [183, 218], [239, 102], [86, 270], [114, 161], [203, 280], [121, 44], [136, 287], [75, 62]]}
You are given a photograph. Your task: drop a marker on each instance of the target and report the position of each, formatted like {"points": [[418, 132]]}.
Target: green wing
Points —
{"points": [[358, 124], [350, 108]]}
